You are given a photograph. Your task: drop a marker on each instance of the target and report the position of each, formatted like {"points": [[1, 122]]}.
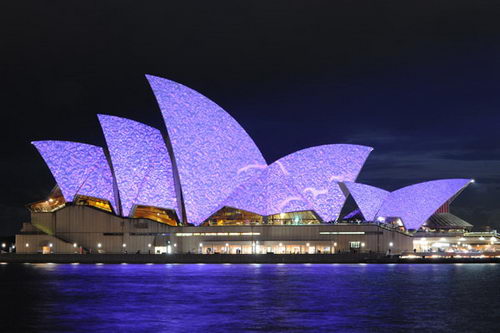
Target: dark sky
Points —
{"points": [[417, 80]]}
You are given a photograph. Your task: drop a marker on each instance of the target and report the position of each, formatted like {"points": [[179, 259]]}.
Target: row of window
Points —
{"points": [[189, 234]]}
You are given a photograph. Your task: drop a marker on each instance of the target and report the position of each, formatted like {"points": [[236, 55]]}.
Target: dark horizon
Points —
{"points": [[416, 81]]}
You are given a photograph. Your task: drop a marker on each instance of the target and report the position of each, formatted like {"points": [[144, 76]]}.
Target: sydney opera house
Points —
{"points": [[201, 185]]}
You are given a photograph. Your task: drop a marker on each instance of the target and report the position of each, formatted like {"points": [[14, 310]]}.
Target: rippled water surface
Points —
{"points": [[220, 298]]}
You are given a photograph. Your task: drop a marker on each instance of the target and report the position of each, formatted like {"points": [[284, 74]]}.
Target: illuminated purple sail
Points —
{"points": [[78, 168], [141, 163], [368, 198], [272, 192], [414, 204], [316, 171], [213, 152]]}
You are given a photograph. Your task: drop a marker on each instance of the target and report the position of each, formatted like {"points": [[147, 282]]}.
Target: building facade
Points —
{"points": [[201, 185], [84, 229]]}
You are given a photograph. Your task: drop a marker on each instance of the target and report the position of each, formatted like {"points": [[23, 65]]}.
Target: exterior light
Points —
{"points": [[27, 244], [461, 239], [3, 245], [124, 245], [201, 244], [175, 245], [257, 242], [335, 244], [280, 244], [149, 245], [75, 245], [473, 180], [50, 245], [391, 244], [227, 244], [99, 245], [308, 244], [13, 246], [362, 244], [51, 200], [481, 238]]}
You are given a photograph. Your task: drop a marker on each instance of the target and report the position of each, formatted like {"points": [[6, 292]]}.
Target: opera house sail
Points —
{"points": [[200, 182]]}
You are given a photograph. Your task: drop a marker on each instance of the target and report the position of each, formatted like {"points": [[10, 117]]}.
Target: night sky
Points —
{"points": [[417, 80]]}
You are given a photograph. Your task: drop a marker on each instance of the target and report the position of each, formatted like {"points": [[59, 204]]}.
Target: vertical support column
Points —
{"points": [[181, 208], [116, 191]]}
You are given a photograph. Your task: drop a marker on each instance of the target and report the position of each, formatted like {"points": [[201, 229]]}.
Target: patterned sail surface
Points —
{"points": [[272, 192], [213, 152], [141, 163], [78, 168], [316, 171], [414, 204], [368, 198]]}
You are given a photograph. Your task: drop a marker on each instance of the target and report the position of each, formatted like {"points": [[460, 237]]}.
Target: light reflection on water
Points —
{"points": [[219, 298]]}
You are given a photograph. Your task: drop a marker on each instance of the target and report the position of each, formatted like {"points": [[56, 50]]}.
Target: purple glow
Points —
{"points": [[414, 204], [316, 171], [272, 192], [213, 152], [141, 163], [78, 168], [368, 198]]}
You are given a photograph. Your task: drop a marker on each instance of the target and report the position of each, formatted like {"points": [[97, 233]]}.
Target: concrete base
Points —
{"points": [[228, 258]]}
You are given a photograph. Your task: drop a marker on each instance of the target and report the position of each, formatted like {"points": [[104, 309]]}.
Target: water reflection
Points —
{"points": [[219, 298]]}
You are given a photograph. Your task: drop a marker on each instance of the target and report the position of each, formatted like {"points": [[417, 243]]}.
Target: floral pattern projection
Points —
{"points": [[414, 204], [141, 163], [78, 168], [218, 164], [368, 198], [213, 152]]}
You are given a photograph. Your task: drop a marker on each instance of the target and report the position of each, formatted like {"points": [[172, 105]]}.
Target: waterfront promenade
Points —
{"points": [[229, 258]]}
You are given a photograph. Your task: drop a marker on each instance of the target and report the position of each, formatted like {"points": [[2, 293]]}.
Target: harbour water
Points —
{"points": [[250, 297]]}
